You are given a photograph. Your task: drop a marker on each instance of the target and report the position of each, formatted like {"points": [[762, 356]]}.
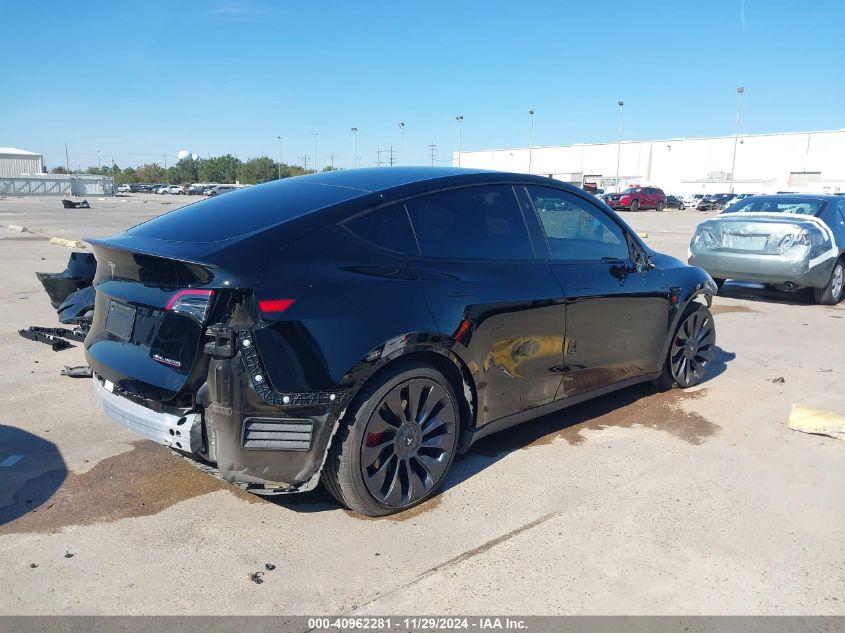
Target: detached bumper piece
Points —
{"points": [[79, 273], [183, 433], [53, 336]]}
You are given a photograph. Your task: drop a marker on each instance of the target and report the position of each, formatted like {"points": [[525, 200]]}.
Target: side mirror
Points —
{"points": [[642, 262]]}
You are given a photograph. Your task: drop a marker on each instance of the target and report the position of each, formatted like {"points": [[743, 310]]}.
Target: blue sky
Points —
{"points": [[142, 79]]}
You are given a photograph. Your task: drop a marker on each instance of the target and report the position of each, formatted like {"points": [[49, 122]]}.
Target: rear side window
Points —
{"points": [[387, 227], [577, 230], [245, 211], [483, 222]]}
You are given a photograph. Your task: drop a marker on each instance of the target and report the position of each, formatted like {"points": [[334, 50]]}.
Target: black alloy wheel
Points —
{"points": [[408, 442], [692, 347], [395, 446]]}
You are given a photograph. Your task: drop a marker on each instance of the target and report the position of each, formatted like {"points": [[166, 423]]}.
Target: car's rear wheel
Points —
{"points": [[394, 449], [831, 294], [635, 206], [691, 349], [661, 205]]}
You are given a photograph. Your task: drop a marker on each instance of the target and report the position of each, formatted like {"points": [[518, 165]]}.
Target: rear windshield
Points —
{"points": [[761, 204], [244, 211]]}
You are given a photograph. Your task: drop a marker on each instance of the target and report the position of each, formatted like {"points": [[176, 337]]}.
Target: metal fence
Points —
{"points": [[57, 185]]}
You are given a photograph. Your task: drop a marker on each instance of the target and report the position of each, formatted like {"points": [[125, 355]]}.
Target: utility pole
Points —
{"points": [[432, 152], [621, 105], [355, 146], [402, 146], [67, 160], [379, 152], [390, 159], [331, 158], [280, 156], [99, 163], [460, 120], [314, 134], [165, 160], [531, 140], [740, 92], [304, 160]]}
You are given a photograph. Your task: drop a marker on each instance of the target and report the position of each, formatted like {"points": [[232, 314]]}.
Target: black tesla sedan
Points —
{"points": [[364, 326]]}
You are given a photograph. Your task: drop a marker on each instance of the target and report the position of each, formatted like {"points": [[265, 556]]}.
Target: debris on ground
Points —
{"points": [[778, 380], [808, 420], [256, 577], [77, 371], [18, 228], [269, 566], [33, 333], [69, 554], [71, 204]]}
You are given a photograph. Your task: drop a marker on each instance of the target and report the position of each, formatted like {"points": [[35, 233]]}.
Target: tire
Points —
{"points": [[686, 363], [681, 207], [416, 408], [635, 206], [831, 294], [661, 205]]}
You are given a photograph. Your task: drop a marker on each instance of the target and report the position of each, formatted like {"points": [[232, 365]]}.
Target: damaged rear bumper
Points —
{"points": [[242, 430]]}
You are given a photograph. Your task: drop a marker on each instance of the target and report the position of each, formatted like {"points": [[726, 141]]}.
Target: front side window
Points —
{"points": [[577, 230], [483, 222]]}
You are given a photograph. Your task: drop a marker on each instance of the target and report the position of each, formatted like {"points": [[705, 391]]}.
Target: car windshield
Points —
{"points": [[796, 206]]}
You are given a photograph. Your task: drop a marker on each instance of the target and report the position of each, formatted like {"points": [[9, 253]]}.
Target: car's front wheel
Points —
{"points": [[394, 449], [691, 349], [831, 294], [661, 205]]}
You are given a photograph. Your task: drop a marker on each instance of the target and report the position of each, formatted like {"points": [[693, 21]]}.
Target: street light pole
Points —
{"points": [[402, 146], [739, 91], [460, 120], [280, 156], [99, 163], [355, 146], [619, 144], [314, 134], [531, 140]]}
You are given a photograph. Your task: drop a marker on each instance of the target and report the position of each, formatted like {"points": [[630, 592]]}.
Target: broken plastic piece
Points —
{"points": [[817, 422], [77, 371], [256, 577], [78, 308], [33, 334], [79, 273], [70, 204]]}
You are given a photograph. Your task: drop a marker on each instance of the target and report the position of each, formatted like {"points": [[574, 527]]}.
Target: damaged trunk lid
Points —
{"points": [[151, 309]]}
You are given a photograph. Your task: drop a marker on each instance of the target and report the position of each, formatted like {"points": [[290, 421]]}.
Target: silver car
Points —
{"points": [[790, 241]]}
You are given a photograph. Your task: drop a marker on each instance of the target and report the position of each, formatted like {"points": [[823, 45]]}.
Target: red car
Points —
{"points": [[636, 198]]}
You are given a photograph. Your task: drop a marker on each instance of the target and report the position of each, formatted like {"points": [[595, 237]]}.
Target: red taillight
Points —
{"points": [[274, 306], [190, 292], [192, 302]]}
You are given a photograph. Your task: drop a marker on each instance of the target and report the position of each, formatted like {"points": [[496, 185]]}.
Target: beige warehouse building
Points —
{"points": [[762, 163]]}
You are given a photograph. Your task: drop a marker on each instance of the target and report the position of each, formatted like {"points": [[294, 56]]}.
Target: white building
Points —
{"points": [[19, 162], [762, 163]]}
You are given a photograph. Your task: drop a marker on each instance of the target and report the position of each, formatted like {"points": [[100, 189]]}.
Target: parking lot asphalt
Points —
{"points": [[685, 502]]}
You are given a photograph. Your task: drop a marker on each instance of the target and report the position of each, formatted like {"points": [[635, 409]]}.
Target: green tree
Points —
{"points": [[258, 170], [151, 173], [58, 170], [186, 170], [220, 169]]}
